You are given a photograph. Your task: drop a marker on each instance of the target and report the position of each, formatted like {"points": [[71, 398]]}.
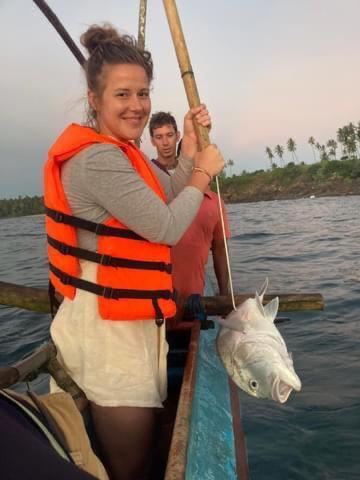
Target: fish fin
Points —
{"points": [[259, 304], [263, 289], [271, 309]]}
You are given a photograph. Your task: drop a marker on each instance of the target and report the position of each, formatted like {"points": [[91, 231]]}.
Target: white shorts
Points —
{"points": [[116, 363]]}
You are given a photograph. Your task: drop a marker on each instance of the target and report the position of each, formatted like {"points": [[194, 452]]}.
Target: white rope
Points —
{"points": [[225, 243]]}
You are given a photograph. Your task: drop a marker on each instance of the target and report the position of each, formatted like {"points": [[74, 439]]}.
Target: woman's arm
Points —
{"points": [[112, 182], [176, 181]]}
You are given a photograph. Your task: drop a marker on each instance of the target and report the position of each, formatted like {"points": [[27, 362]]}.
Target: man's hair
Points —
{"points": [[160, 119]]}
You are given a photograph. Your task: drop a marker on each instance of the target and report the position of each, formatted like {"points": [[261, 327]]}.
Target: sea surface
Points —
{"points": [[309, 246]]}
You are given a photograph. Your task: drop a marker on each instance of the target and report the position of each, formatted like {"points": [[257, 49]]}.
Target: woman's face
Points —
{"points": [[124, 107]]}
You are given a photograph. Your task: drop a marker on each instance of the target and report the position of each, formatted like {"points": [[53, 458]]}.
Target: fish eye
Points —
{"points": [[253, 384]]}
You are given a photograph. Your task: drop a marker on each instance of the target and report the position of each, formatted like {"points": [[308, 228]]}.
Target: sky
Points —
{"points": [[267, 70]]}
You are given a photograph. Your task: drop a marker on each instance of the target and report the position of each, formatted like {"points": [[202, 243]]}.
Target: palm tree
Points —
{"points": [[351, 146], [230, 164], [270, 154], [279, 150], [341, 136], [312, 142], [318, 147], [332, 145], [324, 156], [351, 139], [358, 136], [291, 146]]}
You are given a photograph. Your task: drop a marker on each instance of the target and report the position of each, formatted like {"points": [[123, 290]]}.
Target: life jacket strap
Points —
{"points": [[159, 316], [97, 228], [54, 302], [109, 292], [108, 260]]}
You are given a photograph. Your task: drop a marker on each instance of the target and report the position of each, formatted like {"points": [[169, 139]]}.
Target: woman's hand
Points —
{"points": [[189, 143], [210, 160]]}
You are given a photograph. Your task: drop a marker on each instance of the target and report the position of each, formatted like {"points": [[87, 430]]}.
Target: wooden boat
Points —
{"points": [[201, 433], [186, 426], [208, 438]]}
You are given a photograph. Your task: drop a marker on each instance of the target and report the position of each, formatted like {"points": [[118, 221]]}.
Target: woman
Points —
{"points": [[111, 217]]}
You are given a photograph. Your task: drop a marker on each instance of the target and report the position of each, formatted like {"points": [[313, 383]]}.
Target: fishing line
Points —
{"points": [[225, 242]]}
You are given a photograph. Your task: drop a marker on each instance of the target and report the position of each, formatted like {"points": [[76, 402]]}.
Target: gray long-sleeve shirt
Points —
{"points": [[100, 182]]}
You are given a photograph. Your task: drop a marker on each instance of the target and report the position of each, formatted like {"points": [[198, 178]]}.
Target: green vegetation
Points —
{"points": [[328, 176], [324, 178], [21, 206]]}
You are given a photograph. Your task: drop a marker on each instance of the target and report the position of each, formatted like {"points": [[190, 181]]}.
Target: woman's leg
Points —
{"points": [[126, 437]]}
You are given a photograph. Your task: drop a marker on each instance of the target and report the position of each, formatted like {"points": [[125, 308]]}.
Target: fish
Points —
{"points": [[253, 351]]}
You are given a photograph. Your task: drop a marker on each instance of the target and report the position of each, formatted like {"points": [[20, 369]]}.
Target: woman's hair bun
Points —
{"points": [[96, 35]]}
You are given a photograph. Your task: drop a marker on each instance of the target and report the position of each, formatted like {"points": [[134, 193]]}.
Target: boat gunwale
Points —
{"points": [[177, 459]]}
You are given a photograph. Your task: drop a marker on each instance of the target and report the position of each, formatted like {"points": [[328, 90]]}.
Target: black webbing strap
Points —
{"points": [[109, 292], [54, 302], [108, 260], [97, 228], [159, 316]]}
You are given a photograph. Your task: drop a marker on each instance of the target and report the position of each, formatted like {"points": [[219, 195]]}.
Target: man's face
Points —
{"points": [[164, 140]]}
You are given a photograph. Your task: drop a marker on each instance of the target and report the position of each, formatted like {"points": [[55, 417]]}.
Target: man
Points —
{"points": [[190, 255], [164, 136]]}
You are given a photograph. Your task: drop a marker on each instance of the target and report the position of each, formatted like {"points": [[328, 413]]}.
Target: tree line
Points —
{"points": [[347, 143], [21, 206]]}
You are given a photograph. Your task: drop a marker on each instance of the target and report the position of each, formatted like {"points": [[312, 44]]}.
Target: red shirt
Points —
{"points": [[189, 256]]}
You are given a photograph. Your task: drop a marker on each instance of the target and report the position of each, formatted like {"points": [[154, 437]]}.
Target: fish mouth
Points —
{"points": [[280, 391]]}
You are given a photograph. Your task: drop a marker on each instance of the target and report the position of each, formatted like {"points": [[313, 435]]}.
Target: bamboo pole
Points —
{"points": [[28, 298], [142, 24], [141, 37], [186, 70], [192, 93], [288, 302], [36, 300], [55, 22]]}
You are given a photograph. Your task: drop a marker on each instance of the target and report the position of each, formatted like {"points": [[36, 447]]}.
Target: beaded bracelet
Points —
{"points": [[199, 169]]}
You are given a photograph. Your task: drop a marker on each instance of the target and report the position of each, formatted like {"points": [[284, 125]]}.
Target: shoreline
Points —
{"points": [[261, 187], [252, 199], [261, 191], [284, 198]]}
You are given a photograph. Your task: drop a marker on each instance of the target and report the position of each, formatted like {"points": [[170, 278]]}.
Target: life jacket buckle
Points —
{"points": [[105, 260], [168, 295], [64, 249], [168, 268], [108, 292], [59, 217], [64, 278]]}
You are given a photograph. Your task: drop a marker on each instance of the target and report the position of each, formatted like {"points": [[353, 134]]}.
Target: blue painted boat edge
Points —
{"points": [[216, 445]]}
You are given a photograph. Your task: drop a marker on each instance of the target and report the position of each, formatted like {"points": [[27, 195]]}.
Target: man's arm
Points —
{"points": [[220, 265]]}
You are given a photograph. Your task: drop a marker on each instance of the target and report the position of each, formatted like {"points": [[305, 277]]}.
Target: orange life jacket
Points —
{"points": [[133, 274]]}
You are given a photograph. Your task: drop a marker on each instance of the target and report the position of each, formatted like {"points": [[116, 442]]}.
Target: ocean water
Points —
{"points": [[309, 245]]}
